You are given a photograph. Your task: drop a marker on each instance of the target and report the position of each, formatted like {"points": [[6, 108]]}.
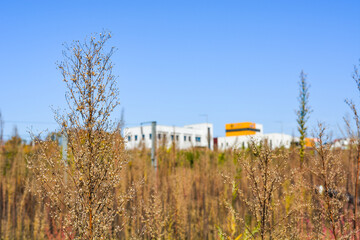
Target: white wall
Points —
{"points": [[195, 135], [275, 140], [235, 142]]}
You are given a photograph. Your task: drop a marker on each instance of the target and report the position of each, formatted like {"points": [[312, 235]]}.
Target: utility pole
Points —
{"points": [[153, 142], [209, 138]]}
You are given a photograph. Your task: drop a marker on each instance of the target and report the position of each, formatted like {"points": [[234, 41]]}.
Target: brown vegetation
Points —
{"points": [[189, 199]]}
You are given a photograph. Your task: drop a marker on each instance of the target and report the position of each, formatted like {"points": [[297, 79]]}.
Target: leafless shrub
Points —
{"points": [[329, 196], [80, 186], [264, 170], [154, 218], [355, 138]]}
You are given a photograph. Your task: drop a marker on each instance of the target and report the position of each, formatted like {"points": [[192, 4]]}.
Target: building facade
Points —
{"points": [[195, 135], [239, 135]]}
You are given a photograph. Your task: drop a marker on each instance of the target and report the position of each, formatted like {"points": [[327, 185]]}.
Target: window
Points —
{"points": [[129, 138], [150, 136], [197, 139], [177, 138], [184, 138], [172, 137], [159, 136], [135, 137], [189, 138], [143, 137]]}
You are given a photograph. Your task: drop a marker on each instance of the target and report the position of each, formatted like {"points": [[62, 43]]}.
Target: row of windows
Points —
{"points": [[186, 138]]}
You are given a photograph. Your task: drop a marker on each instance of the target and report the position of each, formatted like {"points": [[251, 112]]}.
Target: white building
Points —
{"points": [[235, 142], [195, 135], [239, 135], [275, 140]]}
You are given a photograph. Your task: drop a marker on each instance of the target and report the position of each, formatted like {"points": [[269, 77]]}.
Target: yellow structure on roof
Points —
{"points": [[310, 142], [240, 129]]}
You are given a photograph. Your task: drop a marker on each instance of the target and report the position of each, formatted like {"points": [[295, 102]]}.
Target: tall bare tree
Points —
{"points": [[82, 189]]}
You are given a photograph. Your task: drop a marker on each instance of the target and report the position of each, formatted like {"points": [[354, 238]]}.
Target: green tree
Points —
{"points": [[303, 113]]}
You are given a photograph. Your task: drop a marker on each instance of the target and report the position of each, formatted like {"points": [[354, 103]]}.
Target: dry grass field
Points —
{"points": [[201, 194]]}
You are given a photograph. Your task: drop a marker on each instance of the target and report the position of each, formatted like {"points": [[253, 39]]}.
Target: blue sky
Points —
{"points": [[232, 60]]}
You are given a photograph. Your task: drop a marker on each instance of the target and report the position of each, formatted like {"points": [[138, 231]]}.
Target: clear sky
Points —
{"points": [[232, 60]]}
